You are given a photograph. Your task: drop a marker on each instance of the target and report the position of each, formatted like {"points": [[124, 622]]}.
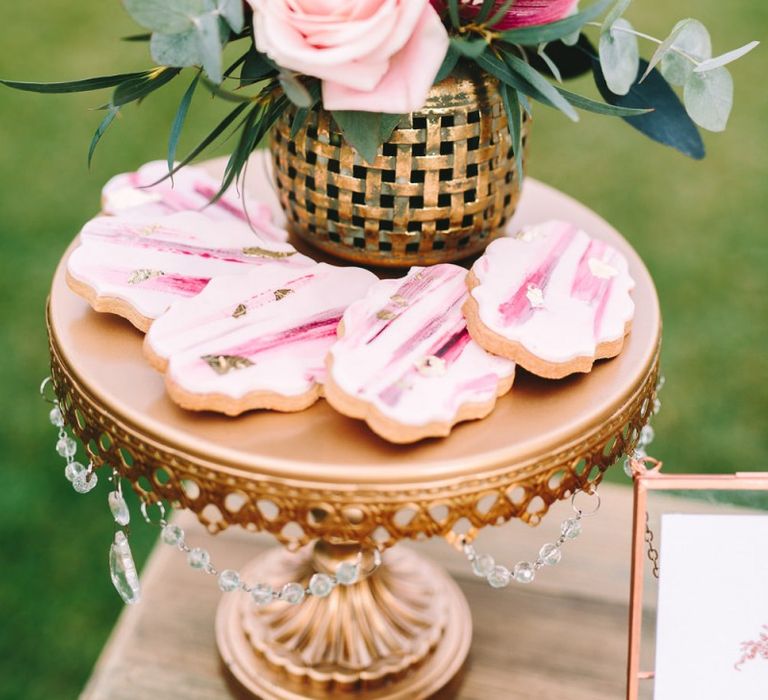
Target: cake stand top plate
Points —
{"points": [[321, 455]]}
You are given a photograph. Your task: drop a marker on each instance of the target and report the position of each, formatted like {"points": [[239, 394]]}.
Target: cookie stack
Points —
{"points": [[238, 320]]}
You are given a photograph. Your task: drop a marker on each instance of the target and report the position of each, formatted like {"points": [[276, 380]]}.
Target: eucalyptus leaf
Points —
{"points": [[210, 43], [664, 47], [181, 49], [726, 58], [166, 16], [232, 12], [692, 38], [615, 12], [708, 98], [362, 130], [295, 90], [668, 123], [619, 56]]}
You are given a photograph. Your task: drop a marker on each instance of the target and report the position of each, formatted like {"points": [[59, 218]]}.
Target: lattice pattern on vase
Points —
{"points": [[297, 515], [440, 189]]}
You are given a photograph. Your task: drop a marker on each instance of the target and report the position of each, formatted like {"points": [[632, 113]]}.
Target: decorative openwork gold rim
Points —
{"points": [[297, 513]]}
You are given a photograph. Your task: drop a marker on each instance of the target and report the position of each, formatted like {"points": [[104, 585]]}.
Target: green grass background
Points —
{"points": [[699, 226]]}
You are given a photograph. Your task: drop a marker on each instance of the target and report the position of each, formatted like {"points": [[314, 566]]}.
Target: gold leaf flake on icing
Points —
{"points": [[386, 315], [282, 293], [398, 300], [257, 252], [535, 296], [601, 269], [143, 274], [431, 366], [240, 310], [527, 234], [221, 364], [149, 229]]}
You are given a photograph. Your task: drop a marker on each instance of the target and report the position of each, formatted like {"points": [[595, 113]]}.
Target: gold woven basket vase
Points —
{"points": [[440, 189]]}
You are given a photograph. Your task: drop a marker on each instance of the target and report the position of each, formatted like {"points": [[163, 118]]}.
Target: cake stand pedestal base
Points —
{"points": [[402, 632]]}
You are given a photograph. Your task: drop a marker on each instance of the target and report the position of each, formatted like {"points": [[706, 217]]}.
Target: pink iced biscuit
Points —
{"points": [[405, 363], [551, 298], [134, 196], [254, 341], [136, 269]]}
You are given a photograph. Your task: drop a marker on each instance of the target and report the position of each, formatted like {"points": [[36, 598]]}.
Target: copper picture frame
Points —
{"points": [[648, 477]]}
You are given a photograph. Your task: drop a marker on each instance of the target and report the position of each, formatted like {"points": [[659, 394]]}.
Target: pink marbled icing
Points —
{"points": [[285, 335], [134, 196], [187, 247], [388, 334], [585, 291]]}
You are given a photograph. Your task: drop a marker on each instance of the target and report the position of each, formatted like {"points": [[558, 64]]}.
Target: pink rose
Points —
{"points": [[522, 13], [371, 55]]}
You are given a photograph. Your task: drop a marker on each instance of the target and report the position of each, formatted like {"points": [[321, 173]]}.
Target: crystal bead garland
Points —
{"points": [[320, 585], [500, 576], [647, 433], [82, 478], [122, 569], [125, 577]]}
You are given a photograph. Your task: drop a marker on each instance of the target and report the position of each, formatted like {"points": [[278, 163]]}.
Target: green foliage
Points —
{"points": [[112, 112], [189, 32], [362, 130], [709, 97], [85, 85], [688, 40], [179, 119], [668, 123], [619, 56]]}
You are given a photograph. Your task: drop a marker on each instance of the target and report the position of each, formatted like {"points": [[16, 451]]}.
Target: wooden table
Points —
{"points": [[563, 637]]}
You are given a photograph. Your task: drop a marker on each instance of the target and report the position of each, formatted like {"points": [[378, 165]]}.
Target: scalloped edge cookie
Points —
{"points": [[529, 291]]}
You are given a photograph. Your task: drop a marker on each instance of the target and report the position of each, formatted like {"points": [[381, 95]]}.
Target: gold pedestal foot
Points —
{"points": [[402, 632]]}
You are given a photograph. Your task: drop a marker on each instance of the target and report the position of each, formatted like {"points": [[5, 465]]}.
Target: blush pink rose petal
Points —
{"points": [[372, 55]]}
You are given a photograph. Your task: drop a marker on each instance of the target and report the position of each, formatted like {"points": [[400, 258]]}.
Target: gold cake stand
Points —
{"points": [[319, 477]]}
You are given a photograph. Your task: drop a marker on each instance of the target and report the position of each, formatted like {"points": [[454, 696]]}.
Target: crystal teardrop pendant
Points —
{"points": [[119, 508], [122, 570]]}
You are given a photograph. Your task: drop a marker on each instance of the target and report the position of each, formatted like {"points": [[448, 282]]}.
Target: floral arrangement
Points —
{"points": [[370, 61]]}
